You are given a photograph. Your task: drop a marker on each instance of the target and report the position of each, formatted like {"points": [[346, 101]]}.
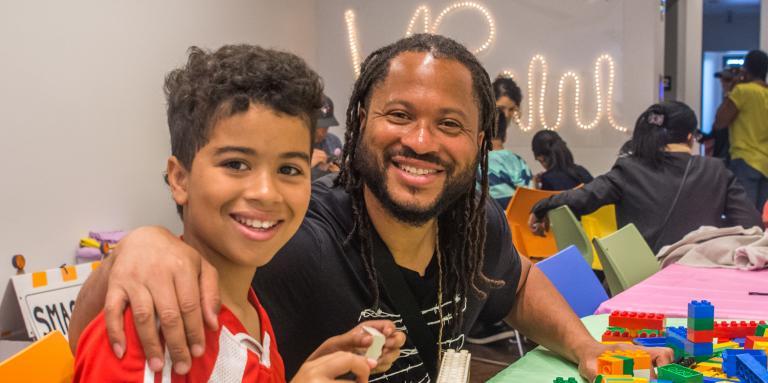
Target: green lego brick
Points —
{"points": [[563, 380], [629, 364], [698, 324], [648, 331], [679, 374], [762, 330]]}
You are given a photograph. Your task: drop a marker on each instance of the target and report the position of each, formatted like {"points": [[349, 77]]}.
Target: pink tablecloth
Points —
{"points": [[669, 291]]}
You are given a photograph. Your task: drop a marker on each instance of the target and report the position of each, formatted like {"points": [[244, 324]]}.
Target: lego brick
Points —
{"points": [[733, 329], [729, 359], [704, 349], [637, 320], [563, 380], [750, 370], [616, 336], [701, 323], [761, 330], [679, 374], [651, 342], [701, 309], [760, 341], [699, 336]]}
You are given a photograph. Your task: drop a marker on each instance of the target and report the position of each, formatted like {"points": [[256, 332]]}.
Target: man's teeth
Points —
{"points": [[417, 171], [256, 224]]}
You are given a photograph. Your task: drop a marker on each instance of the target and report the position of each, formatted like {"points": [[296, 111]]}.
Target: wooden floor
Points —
{"points": [[488, 360]]}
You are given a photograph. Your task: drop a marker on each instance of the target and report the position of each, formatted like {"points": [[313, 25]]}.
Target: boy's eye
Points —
{"points": [[236, 165], [290, 170]]}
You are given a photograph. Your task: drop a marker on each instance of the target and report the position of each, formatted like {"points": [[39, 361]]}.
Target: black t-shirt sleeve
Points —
{"points": [[502, 263]]}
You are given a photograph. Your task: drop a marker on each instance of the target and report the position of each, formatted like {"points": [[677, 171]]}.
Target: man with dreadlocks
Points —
{"points": [[419, 124]]}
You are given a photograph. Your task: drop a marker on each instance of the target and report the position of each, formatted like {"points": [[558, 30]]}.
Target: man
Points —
{"points": [[744, 112], [401, 231], [327, 148]]}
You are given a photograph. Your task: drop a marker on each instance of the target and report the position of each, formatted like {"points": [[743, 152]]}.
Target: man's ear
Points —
{"points": [[480, 138], [362, 115], [178, 179]]}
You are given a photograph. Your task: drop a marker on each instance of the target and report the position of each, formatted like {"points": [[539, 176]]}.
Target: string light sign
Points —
{"points": [[603, 97]]}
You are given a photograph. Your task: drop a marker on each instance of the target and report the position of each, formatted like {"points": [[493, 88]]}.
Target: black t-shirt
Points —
{"points": [[316, 287], [558, 179]]}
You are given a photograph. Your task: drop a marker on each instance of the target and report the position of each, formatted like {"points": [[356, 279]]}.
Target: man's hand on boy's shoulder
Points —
{"points": [[155, 271], [357, 341]]}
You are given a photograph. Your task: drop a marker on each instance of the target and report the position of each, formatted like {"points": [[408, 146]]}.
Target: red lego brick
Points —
{"points": [[616, 336], [637, 320], [700, 336], [733, 329]]}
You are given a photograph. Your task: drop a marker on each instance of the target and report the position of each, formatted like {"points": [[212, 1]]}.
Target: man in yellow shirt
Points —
{"points": [[745, 112]]}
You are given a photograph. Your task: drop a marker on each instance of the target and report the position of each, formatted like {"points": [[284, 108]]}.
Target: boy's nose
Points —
{"points": [[263, 189]]}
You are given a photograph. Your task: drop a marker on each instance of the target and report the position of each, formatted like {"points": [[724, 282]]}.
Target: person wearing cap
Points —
{"points": [[327, 148], [716, 141], [744, 111]]}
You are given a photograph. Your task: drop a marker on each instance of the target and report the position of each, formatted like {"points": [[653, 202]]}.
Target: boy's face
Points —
{"points": [[249, 186]]}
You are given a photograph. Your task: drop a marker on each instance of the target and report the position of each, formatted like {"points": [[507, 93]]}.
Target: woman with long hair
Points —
{"points": [[660, 187], [561, 172]]}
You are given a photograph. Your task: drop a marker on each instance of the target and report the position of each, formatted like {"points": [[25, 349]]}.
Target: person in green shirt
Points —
{"points": [[744, 112], [506, 170]]}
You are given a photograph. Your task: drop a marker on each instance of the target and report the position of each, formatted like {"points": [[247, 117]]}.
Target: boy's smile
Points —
{"points": [[248, 187]]}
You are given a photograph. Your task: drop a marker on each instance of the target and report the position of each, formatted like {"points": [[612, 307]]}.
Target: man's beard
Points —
{"points": [[374, 176]]}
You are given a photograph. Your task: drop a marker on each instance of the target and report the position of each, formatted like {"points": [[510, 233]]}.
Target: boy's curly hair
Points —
{"points": [[223, 83]]}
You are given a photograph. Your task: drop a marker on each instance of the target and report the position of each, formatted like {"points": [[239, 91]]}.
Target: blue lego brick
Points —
{"points": [[729, 359], [740, 341], [699, 349], [708, 379], [651, 342], [750, 370], [676, 336], [701, 309]]}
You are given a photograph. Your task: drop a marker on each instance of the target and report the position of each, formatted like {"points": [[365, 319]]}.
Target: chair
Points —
{"points": [[575, 280], [626, 258], [598, 224], [518, 211], [48, 360], [568, 232]]}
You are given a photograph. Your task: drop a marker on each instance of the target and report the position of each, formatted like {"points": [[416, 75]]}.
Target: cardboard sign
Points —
{"points": [[46, 298]]}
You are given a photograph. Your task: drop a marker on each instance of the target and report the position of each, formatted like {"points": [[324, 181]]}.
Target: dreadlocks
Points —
{"points": [[461, 226]]}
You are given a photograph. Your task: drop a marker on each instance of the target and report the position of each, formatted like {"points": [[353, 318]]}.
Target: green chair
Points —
{"points": [[626, 258], [568, 231]]}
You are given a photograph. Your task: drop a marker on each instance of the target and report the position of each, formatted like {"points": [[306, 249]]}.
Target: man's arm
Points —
{"points": [[90, 301], [726, 114], [160, 276], [541, 313]]}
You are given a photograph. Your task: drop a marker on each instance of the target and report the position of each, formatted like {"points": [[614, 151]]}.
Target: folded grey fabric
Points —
{"points": [[728, 247]]}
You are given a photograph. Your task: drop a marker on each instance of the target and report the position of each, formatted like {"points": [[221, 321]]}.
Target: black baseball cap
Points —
{"points": [[326, 119]]}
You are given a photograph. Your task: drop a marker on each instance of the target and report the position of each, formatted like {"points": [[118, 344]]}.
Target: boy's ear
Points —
{"points": [[178, 178]]}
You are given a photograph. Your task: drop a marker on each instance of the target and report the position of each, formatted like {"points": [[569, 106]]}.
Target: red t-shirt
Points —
{"points": [[231, 355]]}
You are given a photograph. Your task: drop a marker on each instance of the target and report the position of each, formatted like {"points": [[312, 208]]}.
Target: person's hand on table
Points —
{"points": [[156, 272], [357, 341], [660, 356], [538, 226]]}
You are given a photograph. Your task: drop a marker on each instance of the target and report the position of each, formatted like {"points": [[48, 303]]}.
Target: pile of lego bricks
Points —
{"points": [[705, 350]]}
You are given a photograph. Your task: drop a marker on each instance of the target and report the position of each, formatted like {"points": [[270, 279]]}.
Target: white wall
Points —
{"points": [[570, 34], [84, 139]]}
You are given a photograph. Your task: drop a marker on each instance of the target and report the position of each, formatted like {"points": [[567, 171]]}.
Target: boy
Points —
{"points": [[241, 121]]}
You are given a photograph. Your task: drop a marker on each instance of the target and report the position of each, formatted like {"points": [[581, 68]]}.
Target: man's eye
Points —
{"points": [[290, 170], [399, 115], [236, 165]]}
